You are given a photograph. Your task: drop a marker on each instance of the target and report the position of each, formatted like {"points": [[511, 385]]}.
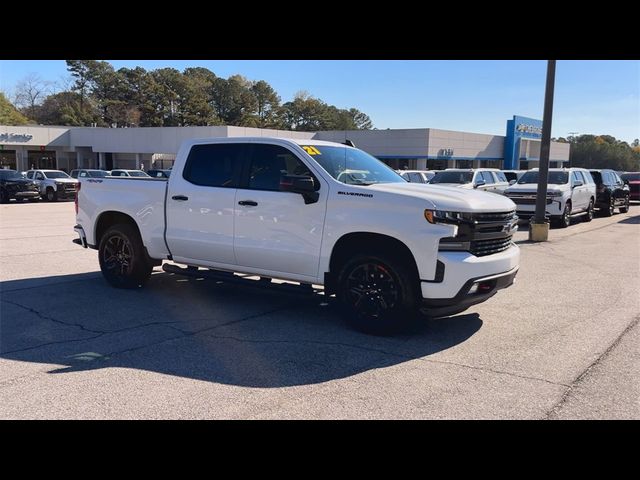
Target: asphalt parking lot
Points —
{"points": [[561, 343]]}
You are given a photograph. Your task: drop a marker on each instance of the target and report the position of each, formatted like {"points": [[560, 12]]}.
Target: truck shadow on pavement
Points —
{"points": [[202, 329]]}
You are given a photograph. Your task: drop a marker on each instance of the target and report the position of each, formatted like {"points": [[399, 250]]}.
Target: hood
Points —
{"points": [[19, 181], [452, 199], [63, 180], [531, 188], [468, 186]]}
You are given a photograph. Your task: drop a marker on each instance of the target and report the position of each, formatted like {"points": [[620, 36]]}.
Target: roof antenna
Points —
{"points": [[349, 143]]}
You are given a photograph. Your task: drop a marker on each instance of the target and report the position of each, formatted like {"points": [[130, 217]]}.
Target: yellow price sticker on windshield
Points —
{"points": [[311, 150]]}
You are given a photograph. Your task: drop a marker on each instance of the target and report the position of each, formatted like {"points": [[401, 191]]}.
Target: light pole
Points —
{"points": [[539, 229]]}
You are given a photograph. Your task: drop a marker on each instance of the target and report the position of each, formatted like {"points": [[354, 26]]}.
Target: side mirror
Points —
{"points": [[577, 184], [626, 182], [302, 184], [479, 183], [512, 182]]}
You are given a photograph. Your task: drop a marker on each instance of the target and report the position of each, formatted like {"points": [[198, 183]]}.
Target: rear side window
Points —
{"points": [[501, 177], [214, 165], [587, 177]]}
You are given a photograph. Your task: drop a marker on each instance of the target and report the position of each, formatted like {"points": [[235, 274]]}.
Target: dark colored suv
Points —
{"points": [[633, 178], [611, 192]]}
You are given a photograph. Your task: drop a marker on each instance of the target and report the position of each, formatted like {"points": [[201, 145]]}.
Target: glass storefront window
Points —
{"points": [[8, 159]]}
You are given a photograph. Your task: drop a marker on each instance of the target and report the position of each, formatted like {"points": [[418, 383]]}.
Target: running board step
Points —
{"points": [[228, 277]]}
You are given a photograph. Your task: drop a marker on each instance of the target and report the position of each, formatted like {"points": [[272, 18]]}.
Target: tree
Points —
{"points": [[267, 104], [305, 113], [30, 92], [234, 102], [66, 108], [9, 115], [81, 71], [603, 151]]}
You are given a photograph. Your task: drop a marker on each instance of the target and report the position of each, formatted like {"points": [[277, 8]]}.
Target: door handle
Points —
{"points": [[181, 198], [248, 203]]}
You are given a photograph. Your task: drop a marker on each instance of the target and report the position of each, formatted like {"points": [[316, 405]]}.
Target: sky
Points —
{"points": [[596, 97]]}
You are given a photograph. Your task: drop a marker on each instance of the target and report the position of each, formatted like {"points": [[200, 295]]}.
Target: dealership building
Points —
{"points": [[66, 148]]}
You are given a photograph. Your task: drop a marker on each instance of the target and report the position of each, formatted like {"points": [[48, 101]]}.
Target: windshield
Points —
{"points": [[632, 177], [97, 173], [55, 175], [352, 166], [10, 175], [452, 177], [137, 174], [555, 178]]}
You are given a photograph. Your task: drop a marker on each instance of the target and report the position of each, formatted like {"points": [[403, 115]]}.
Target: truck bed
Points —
{"points": [[140, 198]]}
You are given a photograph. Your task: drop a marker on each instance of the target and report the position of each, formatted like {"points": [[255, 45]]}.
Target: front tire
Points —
{"points": [[123, 260], [608, 211], [564, 220], [51, 195], [625, 207], [4, 197], [378, 295], [589, 216]]}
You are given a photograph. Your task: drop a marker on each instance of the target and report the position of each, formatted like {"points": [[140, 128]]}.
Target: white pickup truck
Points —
{"points": [[307, 211]]}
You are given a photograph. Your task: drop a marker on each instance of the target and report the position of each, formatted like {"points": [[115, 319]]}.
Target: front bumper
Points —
{"points": [[27, 194], [554, 207], [441, 307], [460, 270]]}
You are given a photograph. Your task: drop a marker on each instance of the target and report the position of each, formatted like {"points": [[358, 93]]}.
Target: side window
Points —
{"points": [[39, 176], [617, 178], [214, 165], [576, 177], [406, 176], [269, 163], [83, 174], [611, 180], [501, 176], [487, 177], [30, 175], [588, 179], [416, 178]]}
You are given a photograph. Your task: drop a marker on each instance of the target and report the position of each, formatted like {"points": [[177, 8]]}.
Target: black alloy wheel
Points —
{"points": [[123, 259], [372, 290], [379, 294]]}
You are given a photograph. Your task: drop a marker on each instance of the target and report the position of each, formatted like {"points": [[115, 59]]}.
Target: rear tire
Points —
{"points": [[589, 216], [123, 259], [625, 207], [378, 295], [4, 198]]}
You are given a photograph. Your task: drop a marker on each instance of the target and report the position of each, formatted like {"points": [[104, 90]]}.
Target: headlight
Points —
{"points": [[59, 184], [554, 193], [442, 216]]}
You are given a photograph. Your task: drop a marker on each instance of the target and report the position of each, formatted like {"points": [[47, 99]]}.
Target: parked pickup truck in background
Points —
{"points": [[275, 208]]}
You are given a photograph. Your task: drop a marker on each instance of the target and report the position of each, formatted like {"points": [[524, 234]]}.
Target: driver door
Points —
{"points": [[275, 230]]}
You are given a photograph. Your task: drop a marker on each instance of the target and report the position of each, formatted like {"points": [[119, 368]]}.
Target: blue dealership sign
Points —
{"points": [[517, 129]]}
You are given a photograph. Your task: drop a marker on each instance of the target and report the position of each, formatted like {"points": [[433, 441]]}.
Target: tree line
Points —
{"points": [[603, 151], [100, 95]]}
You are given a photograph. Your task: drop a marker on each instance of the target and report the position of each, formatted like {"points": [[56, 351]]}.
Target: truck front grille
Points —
{"points": [[480, 248], [483, 233]]}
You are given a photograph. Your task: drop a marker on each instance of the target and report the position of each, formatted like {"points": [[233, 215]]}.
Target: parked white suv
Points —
{"points": [[486, 179], [571, 192], [417, 176]]}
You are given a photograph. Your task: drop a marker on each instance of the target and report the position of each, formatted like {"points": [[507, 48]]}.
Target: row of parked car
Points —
{"points": [[571, 192], [53, 185]]}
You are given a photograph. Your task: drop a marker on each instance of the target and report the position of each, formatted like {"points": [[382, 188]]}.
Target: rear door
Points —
{"points": [[276, 230], [200, 205]]}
